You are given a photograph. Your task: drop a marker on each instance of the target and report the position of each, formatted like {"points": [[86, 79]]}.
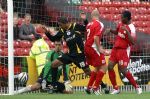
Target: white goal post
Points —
{"points": [[10, 48]]}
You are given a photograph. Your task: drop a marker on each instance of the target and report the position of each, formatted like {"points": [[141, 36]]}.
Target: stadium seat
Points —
{"points": [[135, 17], [17, 52], [25, 44], [25, 51], [146, 30], [3, 44], [3, 22], [3, 15], [113, 10], [122, 9], [3, 35], [133, 10], [142, 10], [86, 3], [148, 17], [135, 4], [116, 4], [125, 3], [4, 52], [106, 4], [16, 44], [3, 28], [148, 10], [103, 10]]}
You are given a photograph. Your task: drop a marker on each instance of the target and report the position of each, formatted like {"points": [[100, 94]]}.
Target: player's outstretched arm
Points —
{"points": [[53, 38], [109, 30], [81, 27]]}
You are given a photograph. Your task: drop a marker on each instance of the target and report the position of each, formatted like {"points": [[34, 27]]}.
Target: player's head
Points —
{"points": [[15, 19], [126, 17], [63, 22], [27, 18], [95, 14], [58, 45]]}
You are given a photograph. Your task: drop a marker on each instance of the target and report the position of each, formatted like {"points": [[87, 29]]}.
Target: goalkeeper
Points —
{"points": [[49, 77]]}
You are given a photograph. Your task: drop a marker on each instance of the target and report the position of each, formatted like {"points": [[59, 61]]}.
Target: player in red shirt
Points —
{"points": [[95, 54], [120, 53]]}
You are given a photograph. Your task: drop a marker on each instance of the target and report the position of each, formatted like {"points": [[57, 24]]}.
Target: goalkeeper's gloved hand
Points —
{"points": [[68, 85]]}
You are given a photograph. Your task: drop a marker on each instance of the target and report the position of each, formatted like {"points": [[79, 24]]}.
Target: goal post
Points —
{"points": [[10, 48]]}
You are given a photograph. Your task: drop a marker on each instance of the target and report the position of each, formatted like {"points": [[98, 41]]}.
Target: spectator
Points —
{"points": [[27, 30], [15, 26]]}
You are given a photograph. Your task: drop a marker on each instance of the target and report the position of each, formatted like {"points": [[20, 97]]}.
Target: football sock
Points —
{"points": [[23, 90], [99, 77], [129, 76], [112, 77], [92, 79]]}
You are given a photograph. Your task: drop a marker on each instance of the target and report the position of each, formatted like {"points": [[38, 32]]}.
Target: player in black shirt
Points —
{"points": [[71, 34]]}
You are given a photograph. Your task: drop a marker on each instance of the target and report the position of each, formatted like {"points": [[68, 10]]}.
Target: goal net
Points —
{"points": [[46, 12]]}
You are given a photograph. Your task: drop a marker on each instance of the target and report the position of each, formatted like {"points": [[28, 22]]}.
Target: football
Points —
{"points": [[23, 77]]}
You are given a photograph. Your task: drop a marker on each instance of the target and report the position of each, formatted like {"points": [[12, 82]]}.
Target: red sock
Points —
{"points": [[129, 76], [92, 79], [99, 77], [112, 77]]}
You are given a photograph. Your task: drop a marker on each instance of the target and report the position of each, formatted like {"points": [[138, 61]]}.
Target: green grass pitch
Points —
{"points": [[78, 95]]}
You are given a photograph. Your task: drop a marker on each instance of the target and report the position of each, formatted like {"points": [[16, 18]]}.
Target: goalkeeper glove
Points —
{"points": [[68, 86]]}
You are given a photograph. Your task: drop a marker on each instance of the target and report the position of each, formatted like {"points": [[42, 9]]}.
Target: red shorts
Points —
{"points": [[120, 56], [93, 57]]}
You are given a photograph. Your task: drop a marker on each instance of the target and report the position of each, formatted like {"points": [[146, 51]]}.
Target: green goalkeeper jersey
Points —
{"points": [[53, 74]]}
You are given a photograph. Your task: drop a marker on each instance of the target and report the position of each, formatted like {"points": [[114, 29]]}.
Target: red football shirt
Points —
{"points": [[94, 28], [122, 40]]}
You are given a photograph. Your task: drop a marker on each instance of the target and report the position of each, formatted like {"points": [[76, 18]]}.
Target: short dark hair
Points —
{"points": [[63, 20], [126, 14]]}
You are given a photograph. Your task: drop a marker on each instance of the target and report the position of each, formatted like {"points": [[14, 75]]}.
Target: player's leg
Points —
{"points": [[96, 60], [34, 87], [112, 77], [64, 59], [101, 70], [123, 63], [129, 76]]}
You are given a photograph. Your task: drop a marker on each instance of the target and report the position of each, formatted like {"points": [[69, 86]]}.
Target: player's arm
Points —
{"points": [[53, 38], [131, 35], [109, 30], [97, 38], [82, 27], [113, 31], [56, 37]]}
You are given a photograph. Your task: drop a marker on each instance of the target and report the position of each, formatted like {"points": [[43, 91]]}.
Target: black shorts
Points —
{"points": [[78, 60]]}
